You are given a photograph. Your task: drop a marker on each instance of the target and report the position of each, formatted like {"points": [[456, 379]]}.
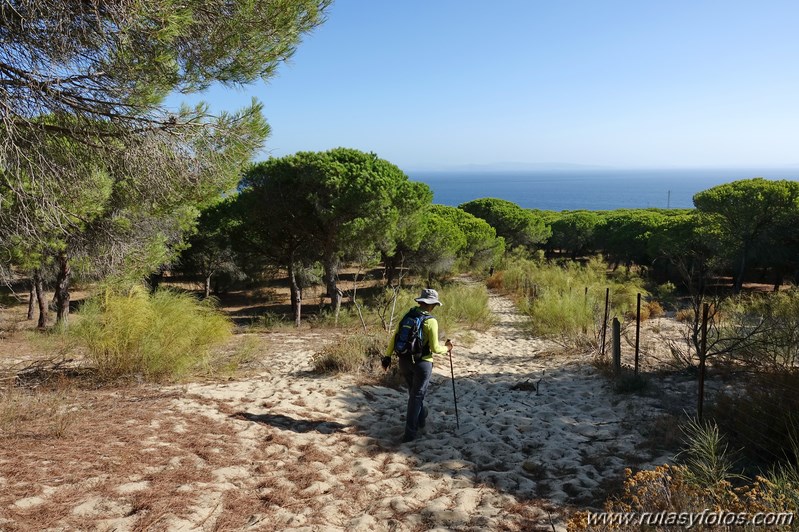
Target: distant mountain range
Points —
{"points": [[556, 166], [507, 167]]}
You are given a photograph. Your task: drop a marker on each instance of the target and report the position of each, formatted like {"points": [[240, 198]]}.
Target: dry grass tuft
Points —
{"points": [[495, 282], [35, 415], [312, 453], [353, 353], [654, 309]]}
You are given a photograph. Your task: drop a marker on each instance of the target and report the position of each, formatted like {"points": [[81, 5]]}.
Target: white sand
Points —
{"points": [[556, 444]]}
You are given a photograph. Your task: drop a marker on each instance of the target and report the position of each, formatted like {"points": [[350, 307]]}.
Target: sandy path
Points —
{"points": [[298, 451], [558, 444]]}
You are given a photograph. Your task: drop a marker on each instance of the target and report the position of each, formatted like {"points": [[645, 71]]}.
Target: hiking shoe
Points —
{"points": [[407, 438], [423, 418]]}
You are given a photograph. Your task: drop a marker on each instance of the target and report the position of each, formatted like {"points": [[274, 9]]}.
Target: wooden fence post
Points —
{"points": [[585, 324], [702, 359], [616, 346], [605, 322], [637, 331]]}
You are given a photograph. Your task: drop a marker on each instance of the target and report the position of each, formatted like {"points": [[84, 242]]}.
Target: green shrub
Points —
{"points": [[271, 320], [667, 293], [706, 456], [157, 336]]}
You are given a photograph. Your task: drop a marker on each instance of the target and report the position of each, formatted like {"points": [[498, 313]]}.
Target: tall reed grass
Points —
{"points": [[156, 336], [566, 301]]}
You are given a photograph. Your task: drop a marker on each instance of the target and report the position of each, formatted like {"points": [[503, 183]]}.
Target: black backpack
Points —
{"points": [[408, 341]]}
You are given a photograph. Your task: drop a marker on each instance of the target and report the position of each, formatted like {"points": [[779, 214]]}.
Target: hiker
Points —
{"points": [[417, 368]]}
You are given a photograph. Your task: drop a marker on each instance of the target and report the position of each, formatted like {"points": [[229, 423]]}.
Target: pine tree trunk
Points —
{"points": [[739, 278], [390, 270], [154, 279], [296, 296], [207, 286], [31, 299], [62, 290], [331, 271], [778, 278], [40, 299]]}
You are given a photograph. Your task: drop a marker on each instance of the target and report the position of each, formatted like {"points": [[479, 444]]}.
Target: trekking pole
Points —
{"points": [[454, 395]]}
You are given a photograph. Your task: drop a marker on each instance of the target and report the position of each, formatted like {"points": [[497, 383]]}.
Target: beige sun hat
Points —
{"points": [[429, 296]]}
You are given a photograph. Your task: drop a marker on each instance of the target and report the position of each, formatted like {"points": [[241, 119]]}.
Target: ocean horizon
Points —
{"points": [[588, 189]]}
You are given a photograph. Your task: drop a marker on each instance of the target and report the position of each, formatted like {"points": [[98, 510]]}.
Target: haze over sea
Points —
{"points": [[590, 189]]}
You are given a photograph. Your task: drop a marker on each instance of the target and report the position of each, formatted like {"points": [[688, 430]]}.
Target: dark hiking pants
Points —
{"points": [[417, 376]]}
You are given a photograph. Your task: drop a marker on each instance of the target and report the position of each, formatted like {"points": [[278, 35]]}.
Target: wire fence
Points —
{"points": [[755, 405]]}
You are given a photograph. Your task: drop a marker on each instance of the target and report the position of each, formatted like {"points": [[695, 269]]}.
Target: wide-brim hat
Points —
{"points": [[429, 296]]}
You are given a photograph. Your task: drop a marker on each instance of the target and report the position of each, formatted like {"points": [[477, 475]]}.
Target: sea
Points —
{"points": [[602, 189]]}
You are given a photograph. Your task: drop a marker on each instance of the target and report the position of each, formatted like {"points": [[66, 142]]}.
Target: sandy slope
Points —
{"points": [[290, 450]]}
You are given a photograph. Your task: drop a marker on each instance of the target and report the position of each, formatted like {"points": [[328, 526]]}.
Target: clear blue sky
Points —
{"points": [[638, 83]]}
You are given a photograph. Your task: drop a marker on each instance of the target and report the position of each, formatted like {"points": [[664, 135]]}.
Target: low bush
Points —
{"points": [[668, 493], [272, 320], [155, 336], [653, 309], [703, 482], [707, 458], [351, 354], [496, 281], [630, 383], [684, 315], [666, 292]]}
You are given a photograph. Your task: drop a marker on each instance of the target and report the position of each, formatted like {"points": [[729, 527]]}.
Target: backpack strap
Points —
{"points": [[425, 345]]}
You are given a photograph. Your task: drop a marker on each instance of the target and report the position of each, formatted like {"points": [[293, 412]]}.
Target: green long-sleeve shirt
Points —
{"points": [[429, 338]]}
